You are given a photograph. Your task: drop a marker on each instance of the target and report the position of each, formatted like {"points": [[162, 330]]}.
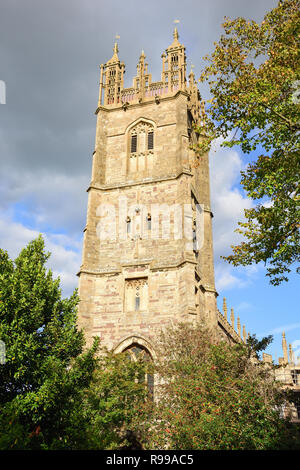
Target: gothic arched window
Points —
{"points": [[141, 148], [150, 140], [136, 295], [133, 143]]}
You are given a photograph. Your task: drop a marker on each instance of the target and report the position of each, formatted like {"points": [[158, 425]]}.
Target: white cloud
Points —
{"points": [[64, 262], [47, 200], [229, 277], [285, 328], [268, 204], [224, 278], [59, 201], [65, 257], [228, 204], [14, 236]]}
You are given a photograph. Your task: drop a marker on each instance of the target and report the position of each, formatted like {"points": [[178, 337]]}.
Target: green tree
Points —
{"points": [[54, 393], [254, 78], [212, 396], [113, 400], [46, 368]]}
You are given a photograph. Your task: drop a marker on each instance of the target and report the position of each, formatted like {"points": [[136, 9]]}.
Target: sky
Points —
{"points": [[50, 52]]}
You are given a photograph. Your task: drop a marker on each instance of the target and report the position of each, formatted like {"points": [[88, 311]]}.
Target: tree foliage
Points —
{"points": [[254, 78], [212, 396], [113, 399], [54, 394], [255, 346]]}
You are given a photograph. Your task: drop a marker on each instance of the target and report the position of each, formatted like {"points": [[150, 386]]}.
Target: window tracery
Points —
{"points": [[136, 295], [141, 147]]}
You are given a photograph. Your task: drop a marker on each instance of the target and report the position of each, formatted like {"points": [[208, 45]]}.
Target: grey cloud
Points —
{"points": [[49, 57]]}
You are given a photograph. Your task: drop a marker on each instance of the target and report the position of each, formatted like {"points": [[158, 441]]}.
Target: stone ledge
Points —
{"points": [[142, 103], [152, 267], [138, 183]]}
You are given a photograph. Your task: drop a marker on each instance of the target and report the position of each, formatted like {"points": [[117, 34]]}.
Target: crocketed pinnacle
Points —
{"points": [[175, 42], [115, 57]]}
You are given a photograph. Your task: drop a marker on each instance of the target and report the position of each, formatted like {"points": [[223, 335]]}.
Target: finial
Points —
{"points": [[175, 33], [244, 334], [284, 348], [191, 74], [115, 57], [116, 49], [291, 354], [239, 326], [225, 308]]}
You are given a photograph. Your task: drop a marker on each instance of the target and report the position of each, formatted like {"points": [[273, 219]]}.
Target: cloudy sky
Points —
{"points": [[49, 57]]}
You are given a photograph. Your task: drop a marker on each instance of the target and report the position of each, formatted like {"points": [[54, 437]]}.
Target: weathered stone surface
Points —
{"points": [[177, 282]]}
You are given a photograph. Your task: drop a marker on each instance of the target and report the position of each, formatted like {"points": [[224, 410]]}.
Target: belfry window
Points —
{"points": [[140, 149], [133, 145], [150, 140]]}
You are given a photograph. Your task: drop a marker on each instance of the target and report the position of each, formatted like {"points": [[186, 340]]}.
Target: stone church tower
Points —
{"points": [[148, 252]]}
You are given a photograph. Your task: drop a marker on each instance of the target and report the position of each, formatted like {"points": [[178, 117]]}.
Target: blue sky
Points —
{"points": [[49, 58]]}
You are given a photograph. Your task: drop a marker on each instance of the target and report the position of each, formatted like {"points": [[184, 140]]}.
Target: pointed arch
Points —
{"points": [[139, 120], [140, 138], [131, 341], [139, 348]]}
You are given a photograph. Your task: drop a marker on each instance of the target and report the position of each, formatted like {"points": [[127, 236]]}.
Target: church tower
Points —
{"points": [[147, 253]]}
